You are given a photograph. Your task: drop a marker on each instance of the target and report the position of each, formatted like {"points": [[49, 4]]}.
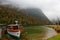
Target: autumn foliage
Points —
{"points": [[9, 15]]}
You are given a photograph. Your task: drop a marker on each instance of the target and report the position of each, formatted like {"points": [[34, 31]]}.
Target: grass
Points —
{"points": [[57, 37]]}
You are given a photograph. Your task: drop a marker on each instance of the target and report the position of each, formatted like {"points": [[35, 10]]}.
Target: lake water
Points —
{"points": [[50, 33]]}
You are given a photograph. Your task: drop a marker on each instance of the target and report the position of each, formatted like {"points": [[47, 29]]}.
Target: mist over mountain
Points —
{"points": [[38, 14]]}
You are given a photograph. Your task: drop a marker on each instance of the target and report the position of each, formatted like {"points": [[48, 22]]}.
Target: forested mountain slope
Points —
{"points": [[24, 16]]}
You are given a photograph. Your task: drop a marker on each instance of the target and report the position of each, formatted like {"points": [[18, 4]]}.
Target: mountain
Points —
{"points": [[28, 16], [38, 14]]}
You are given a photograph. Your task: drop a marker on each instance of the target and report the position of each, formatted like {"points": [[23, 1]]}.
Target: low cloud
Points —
{"points": [[51, 8]]}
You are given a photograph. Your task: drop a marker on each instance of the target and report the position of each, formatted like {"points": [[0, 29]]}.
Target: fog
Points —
{"points": [[51, 8]]}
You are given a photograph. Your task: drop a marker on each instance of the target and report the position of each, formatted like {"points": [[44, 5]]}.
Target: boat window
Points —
{"points": [[15, 27]]}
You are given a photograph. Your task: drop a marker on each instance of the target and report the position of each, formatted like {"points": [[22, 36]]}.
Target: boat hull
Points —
{"points": [[14, 34]]}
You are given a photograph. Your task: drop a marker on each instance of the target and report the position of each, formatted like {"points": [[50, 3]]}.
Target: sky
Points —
{"points": [[51, 8]]}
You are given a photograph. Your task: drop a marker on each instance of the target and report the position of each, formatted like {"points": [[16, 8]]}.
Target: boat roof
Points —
{"points": [[12, 25]]}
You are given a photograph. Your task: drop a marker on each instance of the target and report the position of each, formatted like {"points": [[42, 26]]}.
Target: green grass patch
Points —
{"points": [[57, 37]]}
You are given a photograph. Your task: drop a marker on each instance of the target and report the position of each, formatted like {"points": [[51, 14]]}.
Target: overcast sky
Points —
{"points": [[51, 8]]}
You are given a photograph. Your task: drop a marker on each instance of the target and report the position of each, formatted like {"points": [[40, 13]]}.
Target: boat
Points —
{"points": [[13, 31]]}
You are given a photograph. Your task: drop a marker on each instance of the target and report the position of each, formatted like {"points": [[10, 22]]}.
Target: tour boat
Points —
{"points": [[13, 30]]}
